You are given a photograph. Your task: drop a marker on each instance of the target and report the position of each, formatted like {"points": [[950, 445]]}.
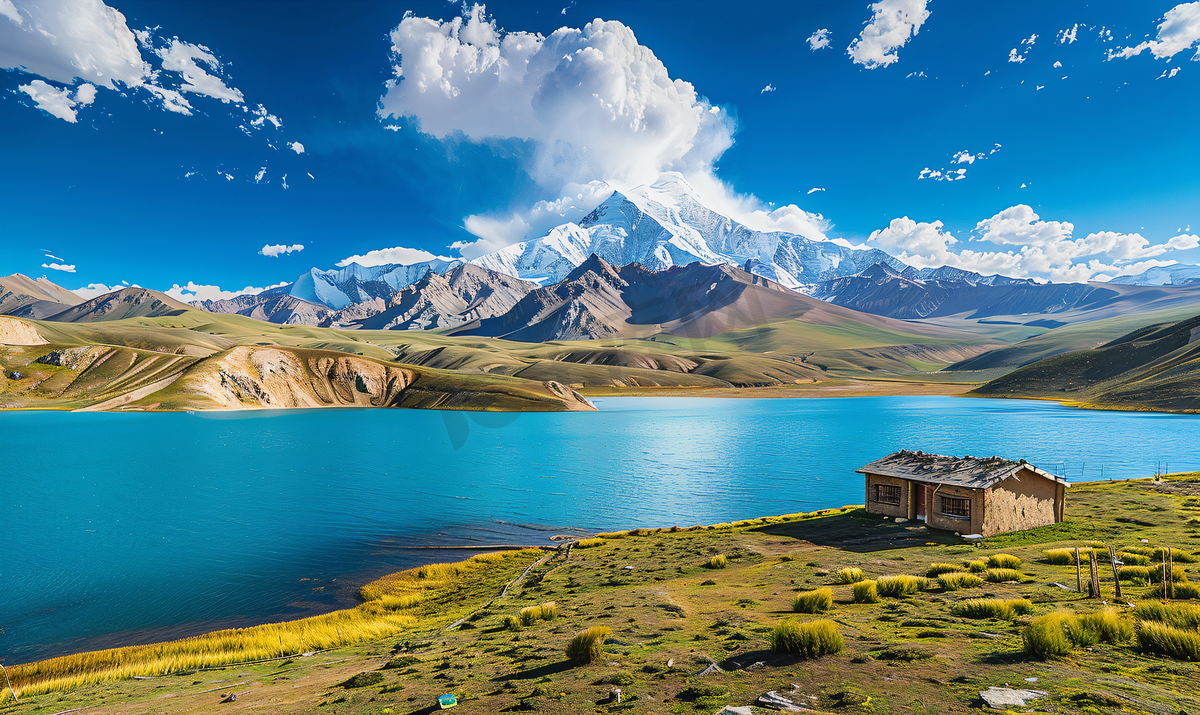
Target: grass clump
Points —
{"points": [[807, 640], [977, 566], [589, 543], [531, 615], [866, 592], [587, 646], [1176, 615], [938, 569], [1186, 591], [818, 601], [1055, 635], [719, 561], [511, 623], [1064, 557], [902, 585], [363, 680], [1003, 575], [1108, 625], [1003, 561], [1133, 559], [1002, 609], [848, 575], [958, 580], [1177, 643]]}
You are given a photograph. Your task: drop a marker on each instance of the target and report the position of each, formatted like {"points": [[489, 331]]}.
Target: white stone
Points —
{"points": [[1007, 697]]}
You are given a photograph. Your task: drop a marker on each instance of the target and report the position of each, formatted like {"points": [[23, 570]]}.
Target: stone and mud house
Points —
{"points": [[969, 495]]}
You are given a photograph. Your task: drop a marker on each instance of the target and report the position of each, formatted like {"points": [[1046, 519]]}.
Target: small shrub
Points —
{"points": [[1005, 610], [1003, 561], [1146, 551], [1064, 557], [1003, 575], [1133, 559], [705, 691], [528, 616], [817, 601], [363, 680], [587, 646], [1156, 637], [848, 576], [1108, 625], [1178, 575], [1177, 556], [404, 661], [936, 570], [511, 623], [903, 654], [589, 543], [977, 566], [618, 679], [866, 592], [1134, 573], [902, 585], [807, 640], [718, 562], [957, 581], [787, 557]]}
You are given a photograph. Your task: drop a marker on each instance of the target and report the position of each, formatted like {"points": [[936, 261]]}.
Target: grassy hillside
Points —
{"points": [[692, 615], [1156, 367]]}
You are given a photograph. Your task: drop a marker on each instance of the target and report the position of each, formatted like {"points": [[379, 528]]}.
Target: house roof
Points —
{"points": [[968, 471]]}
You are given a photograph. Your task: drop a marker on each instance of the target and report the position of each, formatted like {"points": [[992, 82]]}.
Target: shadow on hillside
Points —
{"points": [[538, 672], [860, 532]]}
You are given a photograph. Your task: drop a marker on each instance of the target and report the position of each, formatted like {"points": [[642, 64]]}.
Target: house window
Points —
{"points": [[887, 493], [955, 506]]}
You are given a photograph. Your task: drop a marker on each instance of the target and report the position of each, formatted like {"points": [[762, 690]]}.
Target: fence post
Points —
{"points": [[1112, 559], [1078, 575], [1095, 574]]}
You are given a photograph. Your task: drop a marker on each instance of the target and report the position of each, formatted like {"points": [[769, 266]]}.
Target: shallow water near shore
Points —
{"points": [[130, 528]]}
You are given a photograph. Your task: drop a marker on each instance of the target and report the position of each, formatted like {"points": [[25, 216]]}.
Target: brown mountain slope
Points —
{"points": [[121, 304], [23, 296], [464, 294]]}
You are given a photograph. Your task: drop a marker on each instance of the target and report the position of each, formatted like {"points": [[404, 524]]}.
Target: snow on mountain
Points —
{"points": [[666, 224], [353, 283], [1173, 275]]}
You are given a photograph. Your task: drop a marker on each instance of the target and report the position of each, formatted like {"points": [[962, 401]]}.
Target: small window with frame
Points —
{"points": [[887, 493], [957, 507]]}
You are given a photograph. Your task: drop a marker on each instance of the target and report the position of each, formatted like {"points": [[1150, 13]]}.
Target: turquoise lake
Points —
{"points": [[130, 528]]}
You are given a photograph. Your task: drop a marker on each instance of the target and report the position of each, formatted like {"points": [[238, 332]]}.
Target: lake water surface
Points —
{"points": [[129, 528]]}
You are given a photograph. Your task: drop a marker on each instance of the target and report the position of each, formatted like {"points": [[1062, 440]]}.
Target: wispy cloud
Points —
{"points": [[819, 40], [893, 23], [60, 267], [280, 250]]}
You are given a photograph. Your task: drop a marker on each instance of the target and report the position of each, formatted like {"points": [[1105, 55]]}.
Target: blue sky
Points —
{"points": [[1094, 154]]}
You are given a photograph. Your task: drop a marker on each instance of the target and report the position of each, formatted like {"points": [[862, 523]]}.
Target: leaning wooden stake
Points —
{"points": [[1112, 559], [1095, 574], [1078, 575]]}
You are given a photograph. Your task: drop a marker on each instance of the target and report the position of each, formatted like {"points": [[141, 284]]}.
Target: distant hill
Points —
{"points": [[121, 304], [26, 297], [1156, 367], [272, 306], [1177, 274]]}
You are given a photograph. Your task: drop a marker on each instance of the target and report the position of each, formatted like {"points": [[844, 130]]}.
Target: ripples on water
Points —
{"points": [[121, 528]]}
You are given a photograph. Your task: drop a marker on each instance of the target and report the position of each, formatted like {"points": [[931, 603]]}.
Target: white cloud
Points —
{"points": [[818, 40], [195, 292], [296, 147], [399, 254], [1066, 37], [1178, 31], [1057, 65], [891, 26], [1169, 73], [1046, 249], [279, 249], [51, 255], [91, 290], [598, 104], [814, 189], [181, 57], [8, 10], [768, 88], [54, 101], [963, 157], [59, 267], [1029, 43], [1014, 56]]}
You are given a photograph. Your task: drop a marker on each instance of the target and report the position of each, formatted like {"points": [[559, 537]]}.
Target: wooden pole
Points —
{"points": [[1095, 574], [1170, 572], [1112, 559], [1078, 575]]}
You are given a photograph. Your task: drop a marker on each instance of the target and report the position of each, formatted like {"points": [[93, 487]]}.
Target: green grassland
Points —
{"points": [[676, 609]]}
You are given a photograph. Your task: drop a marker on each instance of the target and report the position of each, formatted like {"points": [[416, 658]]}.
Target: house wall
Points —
{"points": [[1022, 501], [935, 517], [874, 507]]}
